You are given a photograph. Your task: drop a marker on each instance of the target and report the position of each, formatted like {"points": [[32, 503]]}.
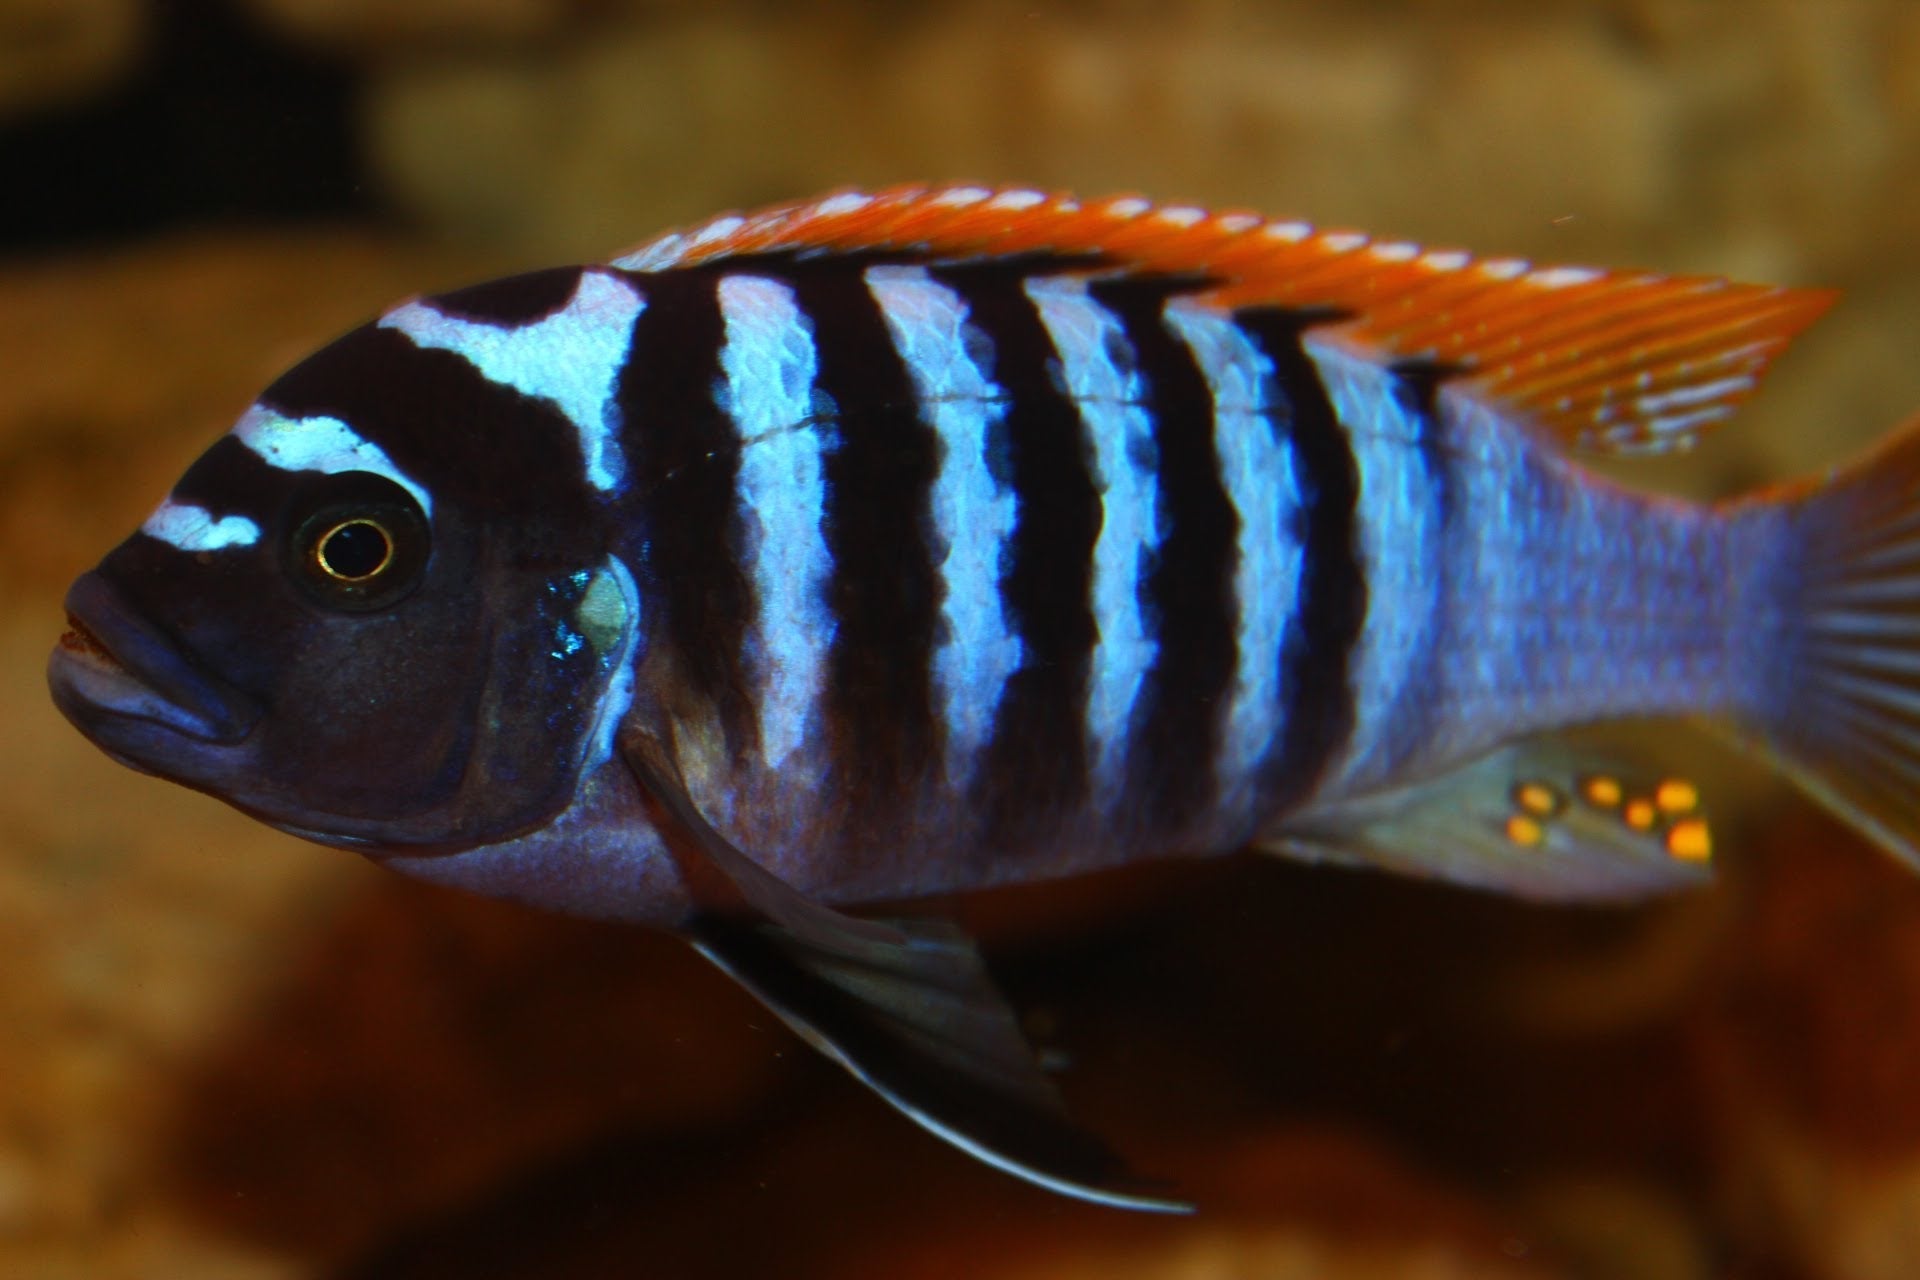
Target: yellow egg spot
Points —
{"points": [[1639, 814], [1601, 791], [1524, 831], [1537, 798], [1690, 841], [1676, 795]]}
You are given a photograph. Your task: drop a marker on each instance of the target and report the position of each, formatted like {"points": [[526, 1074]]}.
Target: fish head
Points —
{"points": [[362, 615]]}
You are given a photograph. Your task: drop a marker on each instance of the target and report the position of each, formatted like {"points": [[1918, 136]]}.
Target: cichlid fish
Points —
{"points": [[898, 543]]}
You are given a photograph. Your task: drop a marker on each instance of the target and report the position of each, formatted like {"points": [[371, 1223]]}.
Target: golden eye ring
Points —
{"points": [[353, 551], [357, 543]]}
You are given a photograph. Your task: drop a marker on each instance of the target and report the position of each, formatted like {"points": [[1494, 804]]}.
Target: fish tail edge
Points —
{"points": [[1826, 638]]}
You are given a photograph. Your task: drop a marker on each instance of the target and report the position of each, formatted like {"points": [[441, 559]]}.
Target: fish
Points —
{"points": [[901, 542]]}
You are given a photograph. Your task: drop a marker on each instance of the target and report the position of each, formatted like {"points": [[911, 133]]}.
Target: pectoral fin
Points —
{"points": [[905, 1005], [1539, 819]]}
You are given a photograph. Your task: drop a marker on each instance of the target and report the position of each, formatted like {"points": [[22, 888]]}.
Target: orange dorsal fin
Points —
{"points": [[1607, 361]]}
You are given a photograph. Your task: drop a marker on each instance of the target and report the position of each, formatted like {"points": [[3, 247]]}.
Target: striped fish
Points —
{"points": [[906, 542]]}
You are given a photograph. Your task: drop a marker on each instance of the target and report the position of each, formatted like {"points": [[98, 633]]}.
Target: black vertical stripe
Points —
{"points": [[1316, 653], [512, 302], [1416, 390], [884, 594], [1036, 767], [1187, 589], [683, 454]]}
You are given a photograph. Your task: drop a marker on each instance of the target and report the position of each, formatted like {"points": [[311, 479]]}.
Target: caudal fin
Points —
{"points": [[1832, 635]]}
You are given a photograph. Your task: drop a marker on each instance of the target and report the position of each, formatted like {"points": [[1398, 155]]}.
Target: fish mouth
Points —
{"points": [[86, 646], [113, 666]]}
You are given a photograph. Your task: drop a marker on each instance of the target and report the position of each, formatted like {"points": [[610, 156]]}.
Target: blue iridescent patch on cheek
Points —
{"points": [[581, 639], [584, 617], [564, 596]]}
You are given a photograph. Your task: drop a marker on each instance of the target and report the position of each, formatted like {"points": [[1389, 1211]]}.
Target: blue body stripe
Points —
{"points": [[880, 712], [973, 513], [1119, 432], [1399, 539], [1187, 591], [1257, 469], [1317, 650], [769, 368], [1033, 778]]}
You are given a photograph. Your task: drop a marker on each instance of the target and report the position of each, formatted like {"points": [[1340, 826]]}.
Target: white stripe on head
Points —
{"points": [[571, 358], [1257, 468], [973, 514], [321, 444], [769, 368], [192, 528], [1119, 429]]}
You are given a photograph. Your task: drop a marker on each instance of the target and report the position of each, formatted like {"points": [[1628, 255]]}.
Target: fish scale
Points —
{"points": [[934, 538]]}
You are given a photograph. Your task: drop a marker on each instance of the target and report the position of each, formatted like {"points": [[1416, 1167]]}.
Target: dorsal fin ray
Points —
{"points": [[1605, 361]]}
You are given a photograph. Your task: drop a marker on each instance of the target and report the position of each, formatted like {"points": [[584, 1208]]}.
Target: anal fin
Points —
{"points": [[1538, 819]]}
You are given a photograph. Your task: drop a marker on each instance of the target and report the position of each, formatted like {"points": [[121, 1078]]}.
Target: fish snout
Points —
{"points": [[112, 664]]}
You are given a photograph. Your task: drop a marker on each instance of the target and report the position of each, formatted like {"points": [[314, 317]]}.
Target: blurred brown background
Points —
{"points": [[227, 1054]]}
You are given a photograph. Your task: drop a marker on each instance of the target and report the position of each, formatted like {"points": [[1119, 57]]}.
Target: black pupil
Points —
{"points": [[354, 550]]}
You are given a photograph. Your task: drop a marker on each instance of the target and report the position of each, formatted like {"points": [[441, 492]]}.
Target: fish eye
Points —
{"points": [[354, 550], [362, 544]]}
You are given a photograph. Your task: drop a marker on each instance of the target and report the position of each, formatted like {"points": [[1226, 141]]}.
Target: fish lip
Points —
{"points": [[113, 664]]}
